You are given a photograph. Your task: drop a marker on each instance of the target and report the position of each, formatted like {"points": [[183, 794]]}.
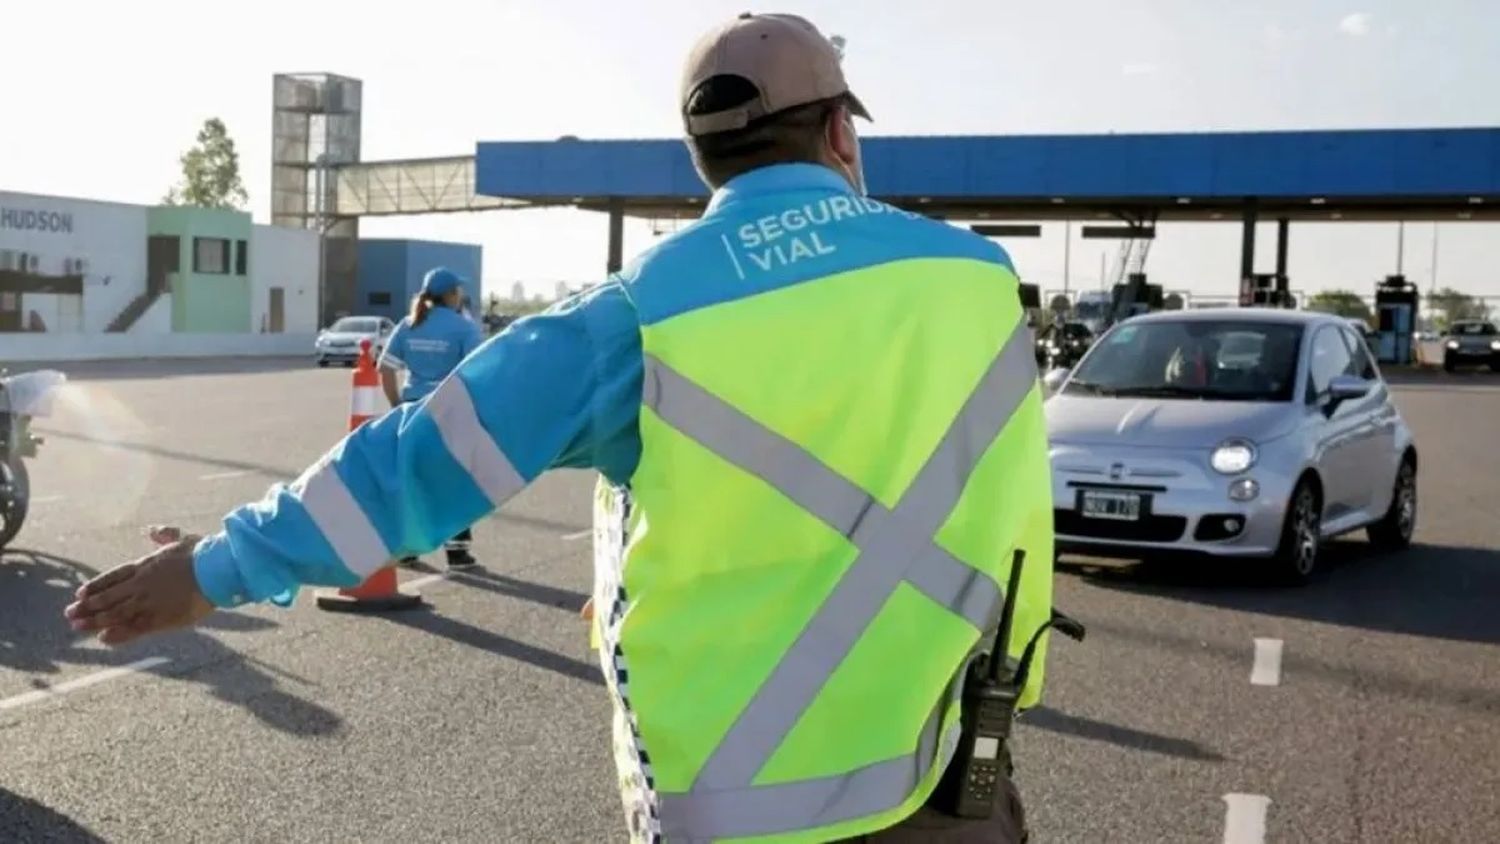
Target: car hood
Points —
{"points": [[1162, 423], [346, 335]]}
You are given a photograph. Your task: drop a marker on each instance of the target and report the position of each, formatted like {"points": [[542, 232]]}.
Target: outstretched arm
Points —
{"points": [[556, 389]]}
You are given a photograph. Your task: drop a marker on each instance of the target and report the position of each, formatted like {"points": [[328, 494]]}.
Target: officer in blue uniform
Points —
{"points": [[428, 345], [569, 388]]}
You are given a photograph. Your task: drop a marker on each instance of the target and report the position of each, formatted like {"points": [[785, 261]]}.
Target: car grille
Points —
{"points": [[1149, 528]]}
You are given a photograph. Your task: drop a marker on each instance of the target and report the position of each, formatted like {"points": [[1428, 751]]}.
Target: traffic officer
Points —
{"points": [[826, 414], [427, 345]]}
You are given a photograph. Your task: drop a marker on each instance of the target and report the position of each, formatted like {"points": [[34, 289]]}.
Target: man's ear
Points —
{"points": [[839, 133]]}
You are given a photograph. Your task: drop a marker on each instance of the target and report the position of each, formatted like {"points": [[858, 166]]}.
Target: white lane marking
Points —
{"points": [[578, 534], [223, 476], [82, 682], [1267, 669], [1245, 818], [46, 499]]}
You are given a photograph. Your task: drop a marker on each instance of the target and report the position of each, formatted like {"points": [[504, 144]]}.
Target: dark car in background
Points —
{"points": [[1063, 344], [1471, 342]]}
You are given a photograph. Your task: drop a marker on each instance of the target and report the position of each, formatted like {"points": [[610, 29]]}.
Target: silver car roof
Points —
{"points": [[1239, 314]]}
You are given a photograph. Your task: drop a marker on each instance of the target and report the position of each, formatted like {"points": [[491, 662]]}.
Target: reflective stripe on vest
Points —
{"points": [[896, 545]]}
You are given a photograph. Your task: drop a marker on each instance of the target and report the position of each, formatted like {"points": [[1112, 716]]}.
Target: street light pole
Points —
{"points": [[1067, 253], [1432, 285]]}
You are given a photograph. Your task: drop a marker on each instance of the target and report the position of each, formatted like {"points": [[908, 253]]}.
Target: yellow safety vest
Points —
{"points": [[833, 478]]}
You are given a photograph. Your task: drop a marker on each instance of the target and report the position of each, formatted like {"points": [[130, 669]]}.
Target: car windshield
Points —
{"points": [[1473, 329], [354, 325], [1193, 359]]}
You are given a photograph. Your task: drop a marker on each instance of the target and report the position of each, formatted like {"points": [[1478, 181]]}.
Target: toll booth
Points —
{"points": [[1036, 318], [1266, 290], [1396, 301], [1031, 296], [1135, 296]]}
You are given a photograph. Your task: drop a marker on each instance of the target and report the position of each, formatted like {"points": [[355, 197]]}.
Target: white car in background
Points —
{"points": [[339, 343]]}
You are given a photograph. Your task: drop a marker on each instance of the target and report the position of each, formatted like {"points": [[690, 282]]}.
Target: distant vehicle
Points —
{"points": [[1242, 432], [22, 398], [339, 343], [1092, 308], [1471, 342], [1064, 344]]}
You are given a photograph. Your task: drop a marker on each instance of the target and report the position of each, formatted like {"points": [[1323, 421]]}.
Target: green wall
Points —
{"points": [[207, 302]]}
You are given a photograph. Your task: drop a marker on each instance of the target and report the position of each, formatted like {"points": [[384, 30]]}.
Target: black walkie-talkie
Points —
{"points": [[967, 789]]}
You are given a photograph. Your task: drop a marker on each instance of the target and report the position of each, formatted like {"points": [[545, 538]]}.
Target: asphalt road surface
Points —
{"points": [[1373, 715]]}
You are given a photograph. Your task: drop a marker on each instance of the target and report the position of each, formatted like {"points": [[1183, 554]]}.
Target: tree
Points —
{"points": [[1345, 303], [210, 172], [1456, 306]]}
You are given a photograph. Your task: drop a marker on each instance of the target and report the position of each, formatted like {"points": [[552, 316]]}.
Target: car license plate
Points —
{"points": [[1120, 506]]}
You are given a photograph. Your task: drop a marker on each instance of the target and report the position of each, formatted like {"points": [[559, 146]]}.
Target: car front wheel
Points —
{"points": [[1395, 528], [1301, 536]]}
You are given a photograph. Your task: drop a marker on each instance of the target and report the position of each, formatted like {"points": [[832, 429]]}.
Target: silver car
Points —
{"points": [[339, 343], [1241, 432]]}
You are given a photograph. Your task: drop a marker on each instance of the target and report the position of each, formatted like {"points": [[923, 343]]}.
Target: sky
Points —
{"points": [[100, 99]]}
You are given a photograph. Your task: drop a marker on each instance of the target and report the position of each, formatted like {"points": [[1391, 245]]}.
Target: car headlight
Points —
{"points": [[1452, 344], [1495, 345], [1233, 457]]}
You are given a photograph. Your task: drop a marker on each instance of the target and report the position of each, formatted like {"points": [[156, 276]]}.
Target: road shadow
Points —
{"points": [[536, 593], [250, 685], [463, 633], [275, 473], [539, 522], [23, 819], [36, 640], [1051, 720], [159, 368], [1428, 590]]}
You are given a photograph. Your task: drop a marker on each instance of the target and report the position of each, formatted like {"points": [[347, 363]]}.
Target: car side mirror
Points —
{"points": [[1341, 389], [1346, 387], [1054, 379]]}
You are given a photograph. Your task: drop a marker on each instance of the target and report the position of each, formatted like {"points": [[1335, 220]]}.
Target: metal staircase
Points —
{"points": [[1132, 258], [134, 311]]}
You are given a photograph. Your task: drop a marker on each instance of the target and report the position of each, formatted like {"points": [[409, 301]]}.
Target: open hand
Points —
{"points": [[156, 593]]}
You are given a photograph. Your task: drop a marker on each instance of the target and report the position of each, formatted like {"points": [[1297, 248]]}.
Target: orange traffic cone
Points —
{"points": [[379, 591]]}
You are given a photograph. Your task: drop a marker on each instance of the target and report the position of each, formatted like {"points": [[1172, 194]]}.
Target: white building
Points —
{"points": [[82, 267]]}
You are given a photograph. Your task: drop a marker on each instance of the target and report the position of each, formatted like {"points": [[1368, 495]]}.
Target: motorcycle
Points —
{"points": [[22, 398]]}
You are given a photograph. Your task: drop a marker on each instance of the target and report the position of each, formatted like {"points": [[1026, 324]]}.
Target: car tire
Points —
{"points": [[322, 364], [1394, 530], [1298, 553], [1448, 365]]}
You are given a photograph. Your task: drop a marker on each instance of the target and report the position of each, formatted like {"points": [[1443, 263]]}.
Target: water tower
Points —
{"points": [[315, 126]]}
